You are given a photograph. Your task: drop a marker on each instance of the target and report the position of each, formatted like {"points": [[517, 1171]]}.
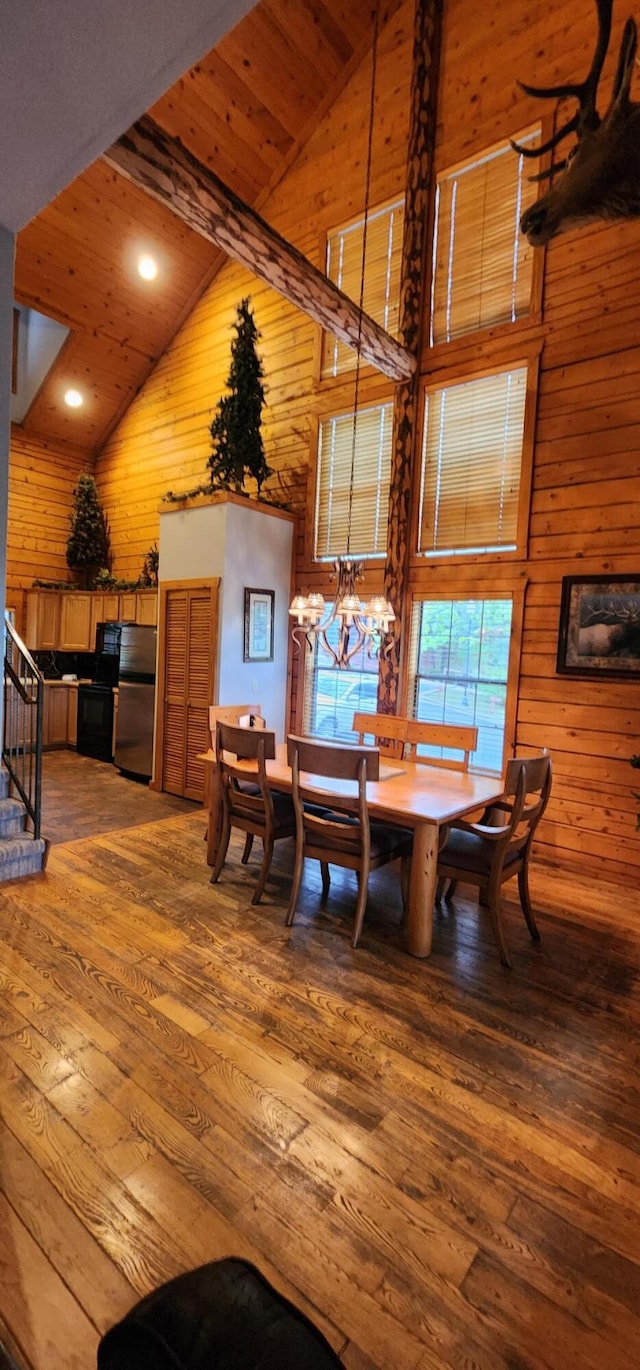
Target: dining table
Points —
{"points": [[415, 794]]}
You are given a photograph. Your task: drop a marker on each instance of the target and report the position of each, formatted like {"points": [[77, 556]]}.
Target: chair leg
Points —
{"points": [[264, 871], [223, 847], [523, 888], [494, 902], [248, 843], [361, 904], [295, 884], [326, 880]]}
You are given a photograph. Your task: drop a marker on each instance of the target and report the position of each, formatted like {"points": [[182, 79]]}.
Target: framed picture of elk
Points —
{"points": [[599, 631]]}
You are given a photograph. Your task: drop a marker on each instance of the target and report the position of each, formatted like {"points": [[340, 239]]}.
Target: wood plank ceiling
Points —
{"points": [[244, 111]]}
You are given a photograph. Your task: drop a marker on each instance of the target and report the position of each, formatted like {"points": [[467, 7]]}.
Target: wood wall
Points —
{"points": [[41, 480], [585, 512]]}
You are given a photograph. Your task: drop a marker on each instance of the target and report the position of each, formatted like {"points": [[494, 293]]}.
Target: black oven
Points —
{"points": [[95, 721]]}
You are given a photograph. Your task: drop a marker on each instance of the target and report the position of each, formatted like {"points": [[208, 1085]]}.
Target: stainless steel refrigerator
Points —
{"points": [[136, 699]]}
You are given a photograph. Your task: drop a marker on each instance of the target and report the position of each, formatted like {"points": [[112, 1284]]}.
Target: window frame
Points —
{"points": [[439, 352], [375, 397], [326, 381], [530, 360], [461, 589]]}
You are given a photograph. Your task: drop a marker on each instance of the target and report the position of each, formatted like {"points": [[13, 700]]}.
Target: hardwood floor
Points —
{"points": [[82, 797], [437, 1160]]}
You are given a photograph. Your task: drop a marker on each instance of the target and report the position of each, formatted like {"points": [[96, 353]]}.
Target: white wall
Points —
{"points": [[248, 547]]}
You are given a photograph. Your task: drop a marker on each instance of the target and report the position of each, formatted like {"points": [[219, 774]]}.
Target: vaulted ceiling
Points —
{"points": [[244, 110]]}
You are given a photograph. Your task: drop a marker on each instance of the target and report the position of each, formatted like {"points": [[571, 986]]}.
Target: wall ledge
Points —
{"points": [[177, 506]]}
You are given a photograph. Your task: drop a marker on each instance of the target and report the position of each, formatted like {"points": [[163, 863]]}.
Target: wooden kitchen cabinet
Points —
{"points": [[43, 620], [147, 607], [128, 606], [75, 621], [55, 715], [110, 607]]}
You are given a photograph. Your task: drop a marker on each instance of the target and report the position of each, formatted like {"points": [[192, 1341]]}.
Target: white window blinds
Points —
{"points": [[482, 264], [471, 464], [381, 277], [352, 509]]}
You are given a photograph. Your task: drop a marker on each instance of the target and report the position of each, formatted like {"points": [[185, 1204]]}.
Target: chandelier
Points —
{"points": [[360, 626]]}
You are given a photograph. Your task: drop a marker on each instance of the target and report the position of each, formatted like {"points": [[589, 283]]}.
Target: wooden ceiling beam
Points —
{"points": [[162, 166]]}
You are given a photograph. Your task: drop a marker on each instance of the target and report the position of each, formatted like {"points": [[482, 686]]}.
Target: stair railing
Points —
{"points": [[22, 723]]}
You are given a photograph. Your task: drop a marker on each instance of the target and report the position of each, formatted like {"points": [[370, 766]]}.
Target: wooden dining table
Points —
{"points": [[416, 795]]}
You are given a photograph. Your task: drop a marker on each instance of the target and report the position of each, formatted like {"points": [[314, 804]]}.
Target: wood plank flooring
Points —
{"points": [[438, 1161]]}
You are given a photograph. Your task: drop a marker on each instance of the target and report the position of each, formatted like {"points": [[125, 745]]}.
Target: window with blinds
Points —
{"points": [[471, 465], [482, 264], [353, 478], [459, 670], [381, 298]]}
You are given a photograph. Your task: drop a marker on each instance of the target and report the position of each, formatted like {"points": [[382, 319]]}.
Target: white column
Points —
{"points": [[7, 249]]}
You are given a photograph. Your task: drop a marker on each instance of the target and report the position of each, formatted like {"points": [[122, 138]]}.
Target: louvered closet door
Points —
{"points": [[189, 615]]}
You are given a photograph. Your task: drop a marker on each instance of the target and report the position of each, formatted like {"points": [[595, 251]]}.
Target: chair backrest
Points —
{"points": [[234, 745], [389, 731], [452, 736], [229, 713], [530, 776], [331, 760]]}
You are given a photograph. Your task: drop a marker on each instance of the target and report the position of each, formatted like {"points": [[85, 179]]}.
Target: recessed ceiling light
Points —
{"points": [[148, 268], [73, 398]]}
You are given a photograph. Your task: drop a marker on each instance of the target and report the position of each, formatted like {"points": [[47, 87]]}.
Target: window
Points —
{"points": [[459, 666], [482, 264], [352, 484], [471, 466], [332, 697], [381, 298]]}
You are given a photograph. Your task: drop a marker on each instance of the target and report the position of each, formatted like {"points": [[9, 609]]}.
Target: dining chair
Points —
{"points": [[450, 736], [225, 713], [498, 847], [250, 805], [388, 731], [349, 839]]}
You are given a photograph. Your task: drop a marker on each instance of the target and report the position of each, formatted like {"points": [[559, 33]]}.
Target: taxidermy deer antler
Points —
{"points": [[601, 175]]}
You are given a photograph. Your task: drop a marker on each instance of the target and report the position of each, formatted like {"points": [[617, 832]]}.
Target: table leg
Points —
{"points": [[422, 889]]}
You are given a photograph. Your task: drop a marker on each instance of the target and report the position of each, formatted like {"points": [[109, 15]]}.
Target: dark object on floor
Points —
{"points": [[223, 1316]]}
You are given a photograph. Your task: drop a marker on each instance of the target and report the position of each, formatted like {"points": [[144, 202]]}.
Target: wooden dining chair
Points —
{"points": [[388, 731], [499, 846], [449, 736], [341, 839], [225, 713], [250, 804]]}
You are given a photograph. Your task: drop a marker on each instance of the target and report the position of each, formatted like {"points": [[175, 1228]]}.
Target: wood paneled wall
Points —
{"points": [[41, 480], [585, 511]]}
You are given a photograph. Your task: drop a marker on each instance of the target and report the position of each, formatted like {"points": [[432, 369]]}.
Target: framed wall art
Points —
{"points": [[258, 624], [599, 632]]}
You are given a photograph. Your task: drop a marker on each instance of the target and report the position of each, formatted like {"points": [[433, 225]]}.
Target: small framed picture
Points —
{"points": [[258, 624], [599, 626]]}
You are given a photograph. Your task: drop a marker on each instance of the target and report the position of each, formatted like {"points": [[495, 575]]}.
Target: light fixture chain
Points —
{"points": [[365, 226]]}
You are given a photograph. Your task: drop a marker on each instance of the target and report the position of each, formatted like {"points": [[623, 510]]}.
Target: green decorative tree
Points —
{"points": [[88, 547], [235, 429]]}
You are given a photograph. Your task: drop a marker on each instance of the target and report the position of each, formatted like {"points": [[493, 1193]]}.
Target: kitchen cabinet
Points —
{"points": [[147, 607], [75, 621], [43, 620], [128, 605], [55, 714], [66, 620]]}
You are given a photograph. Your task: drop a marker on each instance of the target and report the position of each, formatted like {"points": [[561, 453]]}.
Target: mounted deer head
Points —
{"points": [[601, 175]]}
